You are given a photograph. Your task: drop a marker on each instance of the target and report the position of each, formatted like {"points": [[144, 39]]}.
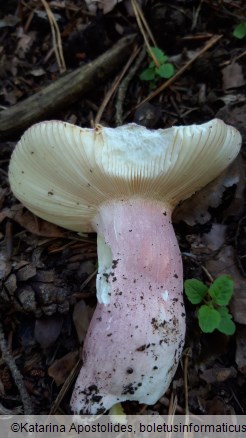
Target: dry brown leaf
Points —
{"points": [[62, 367], [9, 21], [218, 406], [30, 222], [81, 317], [218, 374], [24, 44], [232, 76], [215, 238], [241, 349], [105, 5], [47, 330], [195, 209]]}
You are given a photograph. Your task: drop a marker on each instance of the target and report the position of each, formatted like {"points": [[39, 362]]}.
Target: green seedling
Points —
{"points": [[158, 68], [213, 312], [240, 31]]}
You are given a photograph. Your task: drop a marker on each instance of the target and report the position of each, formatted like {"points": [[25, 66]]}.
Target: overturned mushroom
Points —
{"points": [[123, 183]]}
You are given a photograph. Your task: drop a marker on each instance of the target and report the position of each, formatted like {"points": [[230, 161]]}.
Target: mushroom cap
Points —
{"points": [[63, 173]]}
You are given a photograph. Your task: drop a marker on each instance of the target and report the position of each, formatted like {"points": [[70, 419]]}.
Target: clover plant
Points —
{"points": [[213, 300]]}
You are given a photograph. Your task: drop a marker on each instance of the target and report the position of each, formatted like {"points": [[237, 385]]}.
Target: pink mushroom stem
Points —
{"points": [[137, 332]]}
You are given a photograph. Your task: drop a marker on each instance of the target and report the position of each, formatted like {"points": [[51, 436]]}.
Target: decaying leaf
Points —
{"points": [[81, 317], [9, 21], [232, 76], [218, 406], [215, 238], [105, 5], [195, 209], [47, 330], [30, 222], [218, 374], [62, 367], [241, 349], [24, 44]]}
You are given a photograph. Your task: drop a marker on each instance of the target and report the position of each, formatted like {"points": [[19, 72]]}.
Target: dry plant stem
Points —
{"points": [[141, 21], [196, 15], [65, 90], [56, 37], [18, 379], [123, 88], [186, 361], [65, 387], [211, 279], [141, 15], [114, 86], [170, 81]]}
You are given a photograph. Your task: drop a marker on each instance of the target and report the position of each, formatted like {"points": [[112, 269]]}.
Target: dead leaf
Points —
{"points": [[217, 406], [232, 76], [47, 330], [30, 222], [26, 272], [24, 44], [81, 317], [62, 367], [195, 209], [9, 21], [218, 374], [241, 349], [105, 5], [215, 238]]}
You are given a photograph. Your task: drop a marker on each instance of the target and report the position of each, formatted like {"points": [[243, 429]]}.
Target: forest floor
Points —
{"points": [[48, 274]]}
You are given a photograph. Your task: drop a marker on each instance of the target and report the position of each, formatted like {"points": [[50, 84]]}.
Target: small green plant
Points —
{"points": [[213, 312], [159, 69], [240, 30]]}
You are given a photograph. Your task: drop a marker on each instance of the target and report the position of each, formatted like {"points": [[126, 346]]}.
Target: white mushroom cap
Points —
{"points": [[63, 173]]}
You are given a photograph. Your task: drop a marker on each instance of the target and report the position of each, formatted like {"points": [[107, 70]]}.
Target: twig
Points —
{"points": [[56, 37], [141, 24], [196, 15], [89, 278], [170, 81], [9, 360], [123, 88], [142, 17], [211, 279], [187, 354], [113, 88], [65, 387], [65, 90]]}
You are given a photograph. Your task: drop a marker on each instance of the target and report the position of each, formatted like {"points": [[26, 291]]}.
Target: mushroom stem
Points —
{"points": [[136, 335]]}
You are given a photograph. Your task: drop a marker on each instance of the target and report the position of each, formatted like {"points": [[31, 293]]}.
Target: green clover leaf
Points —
{"points": [[165, 70], [226, 325], [208, 318], [195, 290], [240, 31], [221, 290]]}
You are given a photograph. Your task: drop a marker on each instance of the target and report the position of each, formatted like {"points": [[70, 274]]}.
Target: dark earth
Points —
{"points": [[47, 274]]}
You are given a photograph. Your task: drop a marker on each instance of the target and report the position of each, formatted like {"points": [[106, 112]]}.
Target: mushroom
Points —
{"points": [[123, 183]]}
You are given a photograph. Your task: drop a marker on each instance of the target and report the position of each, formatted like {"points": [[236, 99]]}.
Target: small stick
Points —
{"points": [[56, 37], [141, 23], [113, 88], [9, 360], [123, 88], [187, 354]]}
